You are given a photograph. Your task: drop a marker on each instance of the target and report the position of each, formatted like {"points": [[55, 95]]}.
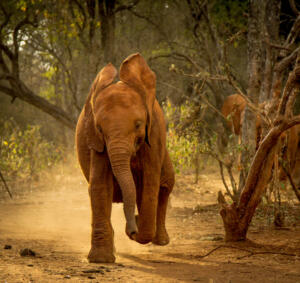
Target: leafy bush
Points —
{"points": [[24, 152], [181, 150], [183, 146]]}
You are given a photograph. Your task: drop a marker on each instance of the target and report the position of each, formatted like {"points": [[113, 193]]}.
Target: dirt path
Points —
{"points": [[54, 222]]}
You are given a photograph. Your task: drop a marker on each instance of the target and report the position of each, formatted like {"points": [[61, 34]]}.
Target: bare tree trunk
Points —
{"points": [[237, 217], [255, 20], [108, 23], [271, 36]]}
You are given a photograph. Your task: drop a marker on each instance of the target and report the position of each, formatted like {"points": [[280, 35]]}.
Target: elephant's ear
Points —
{"points": [[135, 72], [93, 135]]}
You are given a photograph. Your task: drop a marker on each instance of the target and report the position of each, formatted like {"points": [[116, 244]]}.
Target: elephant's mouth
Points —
{"points": [[137, 144]]}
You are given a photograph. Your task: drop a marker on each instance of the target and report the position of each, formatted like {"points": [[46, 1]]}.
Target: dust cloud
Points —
{"points": [[58, 210]]}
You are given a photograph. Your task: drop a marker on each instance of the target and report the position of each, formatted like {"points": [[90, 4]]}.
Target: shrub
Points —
{"points": [[25, 152], [183, 146]]}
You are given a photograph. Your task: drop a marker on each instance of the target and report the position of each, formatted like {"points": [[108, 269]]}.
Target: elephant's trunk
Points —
{"points": [[120, 162]]}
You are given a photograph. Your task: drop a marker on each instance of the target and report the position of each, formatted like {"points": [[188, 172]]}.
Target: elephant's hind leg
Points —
{"points": [[166, 186]]}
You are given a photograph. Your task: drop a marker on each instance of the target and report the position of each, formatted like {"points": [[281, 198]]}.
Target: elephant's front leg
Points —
{"points": [[147, 198], [166, 186], [101, 194]]}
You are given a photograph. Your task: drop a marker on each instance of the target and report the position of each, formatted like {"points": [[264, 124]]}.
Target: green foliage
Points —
{"points": [[230, 15], [24, 153], [182, 146], [181, 150]]}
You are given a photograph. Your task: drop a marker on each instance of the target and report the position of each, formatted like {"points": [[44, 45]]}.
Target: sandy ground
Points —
{"points": [[52, 218]]}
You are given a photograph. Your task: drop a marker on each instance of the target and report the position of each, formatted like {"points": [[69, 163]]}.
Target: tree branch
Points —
{"points": [[28, 96], [294, 32], [80, 29], [6, 20], [251, 253], [175, 55], [293, 80], [91, 8], [294, 7], [262, 157], [294, 188], [5, 185], [3, 64], [157, 26], [71, 84], [126, 7], [224, 181], [82, 11], [276, 46], [7, 51], [286, 61]]}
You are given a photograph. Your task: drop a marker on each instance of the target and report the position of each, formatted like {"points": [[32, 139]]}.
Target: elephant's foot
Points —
{"points": [[161, 238], [101, 255], [142, 240]]}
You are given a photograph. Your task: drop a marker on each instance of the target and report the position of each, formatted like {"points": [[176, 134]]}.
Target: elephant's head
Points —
{"points": [[119, 120]]}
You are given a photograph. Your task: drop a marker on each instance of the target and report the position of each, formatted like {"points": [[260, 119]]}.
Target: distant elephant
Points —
{"points": [[288, 143], [121, 147], [233, 107]]}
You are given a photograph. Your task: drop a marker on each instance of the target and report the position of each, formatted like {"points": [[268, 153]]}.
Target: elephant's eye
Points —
{"points": [[138, 124]]}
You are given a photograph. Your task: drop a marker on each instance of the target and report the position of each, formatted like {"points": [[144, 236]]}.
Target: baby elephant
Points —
{"points": [[121, 147]]}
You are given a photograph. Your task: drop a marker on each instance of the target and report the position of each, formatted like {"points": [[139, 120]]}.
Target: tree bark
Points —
{"points": [[236, 218], [256, 14], [108, 23], [5, 185], [271, 36]]}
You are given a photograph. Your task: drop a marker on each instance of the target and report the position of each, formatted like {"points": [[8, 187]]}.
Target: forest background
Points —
{"points": [[201, 52]]}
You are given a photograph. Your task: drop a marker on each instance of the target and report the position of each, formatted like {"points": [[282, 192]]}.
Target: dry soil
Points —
{"points": [[51, 217]]}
